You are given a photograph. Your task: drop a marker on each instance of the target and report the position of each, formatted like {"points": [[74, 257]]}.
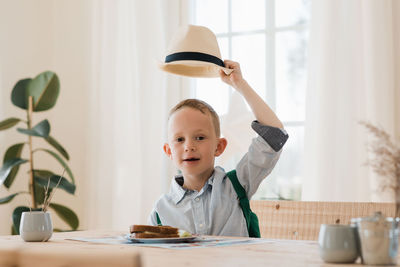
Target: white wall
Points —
{"points": [[47, 35]]}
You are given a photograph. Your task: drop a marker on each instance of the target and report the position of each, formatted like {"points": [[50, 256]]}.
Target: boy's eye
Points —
{"points": [[200, 138], [179, 139]]}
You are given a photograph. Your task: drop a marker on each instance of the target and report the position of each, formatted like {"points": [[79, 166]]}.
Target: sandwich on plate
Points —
{"points": [[149, 231]]}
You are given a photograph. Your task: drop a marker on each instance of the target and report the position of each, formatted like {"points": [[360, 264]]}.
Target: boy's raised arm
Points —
{"points": [[261, 110]]}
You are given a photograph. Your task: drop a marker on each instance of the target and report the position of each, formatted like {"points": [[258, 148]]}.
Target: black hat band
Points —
{"points": [[194, 56]]}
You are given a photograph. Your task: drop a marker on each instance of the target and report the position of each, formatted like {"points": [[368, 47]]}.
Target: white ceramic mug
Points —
{"points": [[36, 226], [338, 243]]}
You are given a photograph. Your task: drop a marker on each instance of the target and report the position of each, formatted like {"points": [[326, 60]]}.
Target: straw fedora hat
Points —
{"points": [[194, 52]]}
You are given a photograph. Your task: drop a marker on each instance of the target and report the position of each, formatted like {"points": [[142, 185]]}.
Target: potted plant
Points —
{"points": [[36, 95], [379, 234]]}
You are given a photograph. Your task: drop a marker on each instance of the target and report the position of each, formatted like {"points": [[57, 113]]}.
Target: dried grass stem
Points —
{"points": [[385, 161]]}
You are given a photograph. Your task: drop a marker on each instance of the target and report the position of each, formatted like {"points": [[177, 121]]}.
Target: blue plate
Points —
{"points": [[160, 240]]}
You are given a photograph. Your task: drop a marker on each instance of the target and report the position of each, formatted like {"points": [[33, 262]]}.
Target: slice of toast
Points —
{"points": [[154, 229]]}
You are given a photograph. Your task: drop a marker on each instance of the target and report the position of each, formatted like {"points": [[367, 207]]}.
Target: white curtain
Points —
{"points": [[112, 110], [354, 66], [130, 101]]}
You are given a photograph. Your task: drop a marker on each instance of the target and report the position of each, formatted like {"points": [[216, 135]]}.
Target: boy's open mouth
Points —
{"points": [[191, 159]]}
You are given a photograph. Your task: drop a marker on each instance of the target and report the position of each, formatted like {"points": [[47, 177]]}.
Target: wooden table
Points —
{"points": [[59, 250]]}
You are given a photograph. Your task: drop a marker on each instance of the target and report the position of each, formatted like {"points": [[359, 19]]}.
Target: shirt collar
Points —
{"points": [[177, 192]]}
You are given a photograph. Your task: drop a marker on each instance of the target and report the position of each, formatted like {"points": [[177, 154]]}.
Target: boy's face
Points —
{"points": [[192, 142]]}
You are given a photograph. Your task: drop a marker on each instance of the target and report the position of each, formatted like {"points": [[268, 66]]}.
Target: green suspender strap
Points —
{"points": [[251, 217], [158, 219]]}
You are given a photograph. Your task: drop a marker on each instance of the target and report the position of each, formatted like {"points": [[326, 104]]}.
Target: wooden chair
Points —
{"points": [[302, 219]]}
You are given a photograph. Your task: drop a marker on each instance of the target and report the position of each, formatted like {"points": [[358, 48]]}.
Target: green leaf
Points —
{"points": [[42, 173], [12, 152], [7, 166], [39, 193], [8, 123], [19, 95], [16, 216], [39, 189], [13, 232], [61, 230], [44, 89], [61, 161], [42, 129], [57, 146], [7, 199], [64, 184], [66, 215]]}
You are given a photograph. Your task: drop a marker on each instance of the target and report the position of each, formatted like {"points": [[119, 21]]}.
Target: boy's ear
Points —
{"points": [[167, 150], [222, 143]]}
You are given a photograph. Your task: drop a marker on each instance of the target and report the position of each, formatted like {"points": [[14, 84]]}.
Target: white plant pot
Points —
{"points": [[36, 226]]}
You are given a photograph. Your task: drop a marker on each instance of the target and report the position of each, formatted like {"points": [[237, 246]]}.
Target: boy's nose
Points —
{"points": [[190, 148]]}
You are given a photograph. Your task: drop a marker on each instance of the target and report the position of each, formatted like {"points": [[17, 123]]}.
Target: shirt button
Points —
{"points": [[197, 199]]}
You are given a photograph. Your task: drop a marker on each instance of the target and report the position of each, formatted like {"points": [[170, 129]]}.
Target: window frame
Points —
{"points": [[270, 32]]}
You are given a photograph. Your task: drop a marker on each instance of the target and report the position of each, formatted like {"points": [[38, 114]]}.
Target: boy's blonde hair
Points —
{"points": [[201, 106]]}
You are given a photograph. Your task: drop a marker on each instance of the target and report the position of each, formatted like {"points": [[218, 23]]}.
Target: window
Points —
{"points": [[269, 39]]}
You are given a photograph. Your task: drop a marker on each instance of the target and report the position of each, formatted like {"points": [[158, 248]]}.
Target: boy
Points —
{"points": [[202, 199]]}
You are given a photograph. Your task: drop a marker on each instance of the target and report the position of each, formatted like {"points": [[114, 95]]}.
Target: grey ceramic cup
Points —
{"points": [[338, 243]]}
